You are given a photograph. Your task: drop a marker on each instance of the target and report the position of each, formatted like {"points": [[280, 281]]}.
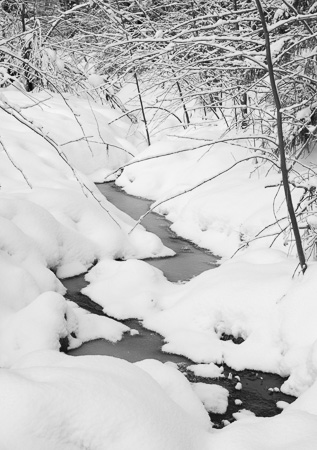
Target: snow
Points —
{"points": [[95, 80], [179, 389], [304, 113], [192, 323], [207, 370], [90, 326], [207, 215], [38, 326], [126, 289], [214, 397], [90, 402], [55, 224], [286, 431]]}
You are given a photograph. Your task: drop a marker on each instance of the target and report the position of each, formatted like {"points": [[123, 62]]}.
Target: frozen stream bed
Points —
{"points": [[260, 391]]}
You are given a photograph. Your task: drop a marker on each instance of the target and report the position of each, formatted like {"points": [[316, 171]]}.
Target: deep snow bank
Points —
{"points": [[96, 403], [52, 218], [59, 402], [231, 193]]}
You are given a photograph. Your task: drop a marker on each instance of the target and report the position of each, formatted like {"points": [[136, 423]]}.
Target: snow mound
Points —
{"points": [[214, 397], [98, 403]]}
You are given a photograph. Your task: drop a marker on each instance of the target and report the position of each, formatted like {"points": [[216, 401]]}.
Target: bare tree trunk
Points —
{"points": [[142, 108], [23, 16], [235, 8], [244, 110], [281, 146], [186, 115], [26, 53]]}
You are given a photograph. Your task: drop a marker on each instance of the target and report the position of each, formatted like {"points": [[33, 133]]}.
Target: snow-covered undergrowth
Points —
{"points": [[54, 223]]}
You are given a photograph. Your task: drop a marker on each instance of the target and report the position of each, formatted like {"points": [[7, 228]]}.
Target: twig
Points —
{"points": [[14, 164]]}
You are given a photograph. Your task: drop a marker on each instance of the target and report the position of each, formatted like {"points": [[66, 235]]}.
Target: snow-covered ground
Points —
{"points": [[55, 224]]}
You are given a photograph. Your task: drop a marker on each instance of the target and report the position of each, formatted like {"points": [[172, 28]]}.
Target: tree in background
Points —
{"points": [[208, 59]]}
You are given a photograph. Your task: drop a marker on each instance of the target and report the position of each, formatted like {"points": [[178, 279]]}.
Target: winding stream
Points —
{"points": [[189, 261], [260, 390]]}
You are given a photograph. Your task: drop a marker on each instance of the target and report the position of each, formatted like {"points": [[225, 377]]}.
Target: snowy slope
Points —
{"points": [[54, 222]]}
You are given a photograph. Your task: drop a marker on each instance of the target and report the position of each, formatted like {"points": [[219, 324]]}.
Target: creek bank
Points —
{"points": [[260, 391]]}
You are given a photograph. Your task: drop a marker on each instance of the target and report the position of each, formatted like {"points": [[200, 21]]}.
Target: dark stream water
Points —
{"points": [[189, 261], [257, 394]]}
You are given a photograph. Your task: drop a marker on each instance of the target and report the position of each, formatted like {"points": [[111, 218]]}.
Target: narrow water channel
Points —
{"points": [[260, 391], [189, 261]]}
